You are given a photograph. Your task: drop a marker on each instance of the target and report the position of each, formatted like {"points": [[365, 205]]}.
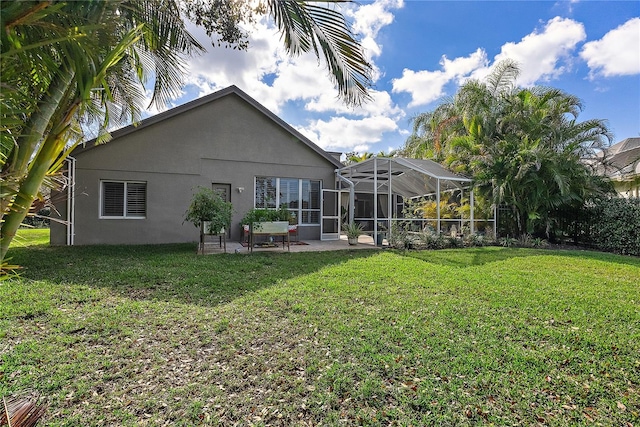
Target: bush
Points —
{"points": [[400, 237], [208, 205], [508, 242], [614, 225], [478, 240]]}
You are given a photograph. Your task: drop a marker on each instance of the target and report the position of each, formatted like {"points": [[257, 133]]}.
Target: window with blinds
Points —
{"points": [[123, 199]]}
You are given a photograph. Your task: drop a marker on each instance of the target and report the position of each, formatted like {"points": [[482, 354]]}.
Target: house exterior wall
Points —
{"points": [[226, 141], [628, 188]]}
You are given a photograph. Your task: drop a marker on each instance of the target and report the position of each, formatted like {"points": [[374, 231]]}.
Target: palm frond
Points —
{"points": [[503, 77], [20, 411], [309, 27]]}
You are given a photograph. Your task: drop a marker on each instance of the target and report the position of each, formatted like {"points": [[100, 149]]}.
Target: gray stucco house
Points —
{"points": [[136, 188]]}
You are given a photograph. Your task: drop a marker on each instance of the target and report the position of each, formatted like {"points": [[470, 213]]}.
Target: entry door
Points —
{"points": [[330, 222], [223, 190]]}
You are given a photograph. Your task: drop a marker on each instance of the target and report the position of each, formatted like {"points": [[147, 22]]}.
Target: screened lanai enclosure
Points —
{"points": [[420, 195]]}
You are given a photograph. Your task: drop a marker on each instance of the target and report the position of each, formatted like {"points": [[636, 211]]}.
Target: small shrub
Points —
{"points": [[454, 242], [525, 241], [432, 241], [400, 238], [508, 242], [539, 243], [489, 237], [476, 240]]}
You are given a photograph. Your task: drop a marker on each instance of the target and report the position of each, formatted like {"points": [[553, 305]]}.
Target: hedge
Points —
{"points": [[615, 225]]}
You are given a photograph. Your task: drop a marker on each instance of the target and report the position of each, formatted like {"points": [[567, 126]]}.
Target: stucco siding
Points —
{"points": [[226, 141]]}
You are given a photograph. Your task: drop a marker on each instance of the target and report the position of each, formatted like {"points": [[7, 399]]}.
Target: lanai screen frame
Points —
{"points": [[410, 178]]}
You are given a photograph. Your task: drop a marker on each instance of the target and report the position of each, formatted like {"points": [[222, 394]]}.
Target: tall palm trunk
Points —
{"points": [[16, 208]]}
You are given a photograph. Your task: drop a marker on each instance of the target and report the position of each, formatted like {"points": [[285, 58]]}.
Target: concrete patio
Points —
{"points": [[364, 242]]}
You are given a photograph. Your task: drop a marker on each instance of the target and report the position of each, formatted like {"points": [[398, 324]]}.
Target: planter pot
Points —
{"points": [[352, 241], [379, 238], [267, 227]]}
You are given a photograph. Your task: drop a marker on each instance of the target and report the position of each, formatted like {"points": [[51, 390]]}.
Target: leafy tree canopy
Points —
{"points": [[524, 147]]}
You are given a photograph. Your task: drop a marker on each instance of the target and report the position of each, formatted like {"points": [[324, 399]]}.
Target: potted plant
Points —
{"points": [[266, 215], [209, 211], [353, 230]]}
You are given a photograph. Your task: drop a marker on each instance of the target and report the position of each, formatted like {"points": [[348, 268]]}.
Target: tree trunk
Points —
{"points": [[16, 207], [36, 127]]}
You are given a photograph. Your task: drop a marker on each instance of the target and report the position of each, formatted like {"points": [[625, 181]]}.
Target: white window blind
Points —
{"points": [[122, 199]]}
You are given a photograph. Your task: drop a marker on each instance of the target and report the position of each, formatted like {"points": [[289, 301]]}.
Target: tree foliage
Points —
{"points": [[522, 146], [356, 157], [613, 225], [208, 205]]}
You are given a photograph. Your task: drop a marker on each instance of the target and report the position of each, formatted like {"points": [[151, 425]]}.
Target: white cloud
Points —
{"points": [[428, 86], [220, 67], [369, 19], [275, 79], [540, 53], [617, 53], [347, 134], [380, 104]]}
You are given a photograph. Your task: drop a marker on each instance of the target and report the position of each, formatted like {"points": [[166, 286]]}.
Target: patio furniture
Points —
{"points": [[270, 229], [293, 231]]}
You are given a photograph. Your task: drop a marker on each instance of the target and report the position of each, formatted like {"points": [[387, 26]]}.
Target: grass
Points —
{"points": [[155, 335], [28, 237]]}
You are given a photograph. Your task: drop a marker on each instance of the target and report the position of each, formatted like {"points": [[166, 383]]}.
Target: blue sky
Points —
{"points": [[423, 50]]}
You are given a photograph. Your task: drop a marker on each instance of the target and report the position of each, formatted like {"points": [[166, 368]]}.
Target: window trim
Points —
{"points": [[125, 216]]}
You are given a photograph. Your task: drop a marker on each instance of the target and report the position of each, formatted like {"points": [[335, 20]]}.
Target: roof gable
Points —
{"points": [[181, 109]]}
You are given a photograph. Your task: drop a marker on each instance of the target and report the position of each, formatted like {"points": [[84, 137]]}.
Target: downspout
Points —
{"points": [[71, 201], [352, 194]]}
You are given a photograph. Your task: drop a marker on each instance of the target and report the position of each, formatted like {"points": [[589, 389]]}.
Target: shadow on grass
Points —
{"points": [[470, 256], [485, 255], [171, 272]]}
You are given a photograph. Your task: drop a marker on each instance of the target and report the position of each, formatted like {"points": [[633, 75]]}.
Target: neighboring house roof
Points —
{"points": [[150, 121], [622, 160]]}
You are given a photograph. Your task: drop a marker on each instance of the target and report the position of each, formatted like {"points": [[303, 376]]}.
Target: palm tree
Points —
{"points": [[523, 146], [68, 63], [92, 63]]}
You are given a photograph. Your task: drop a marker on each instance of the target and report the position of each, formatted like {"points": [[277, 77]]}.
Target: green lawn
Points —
{"points": [[157, 335], [31, 237]]}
